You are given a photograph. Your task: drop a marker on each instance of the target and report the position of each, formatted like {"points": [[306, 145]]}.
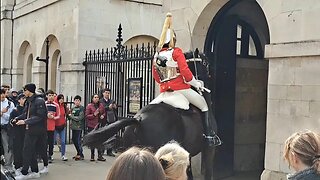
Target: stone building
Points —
{"points": [[265, 57]]}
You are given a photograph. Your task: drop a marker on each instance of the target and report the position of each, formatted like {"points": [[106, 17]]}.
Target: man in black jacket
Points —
{"points": [[34, 118], [111, 111]]}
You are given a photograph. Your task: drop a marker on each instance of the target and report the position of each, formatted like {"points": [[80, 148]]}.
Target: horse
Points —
{"points": [[156, 124]]}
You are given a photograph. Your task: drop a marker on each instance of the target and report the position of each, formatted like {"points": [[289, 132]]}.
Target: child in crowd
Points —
{"points": [[76, 117]]}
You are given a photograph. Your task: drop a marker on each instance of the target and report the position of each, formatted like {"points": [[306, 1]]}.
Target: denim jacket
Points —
{"points": [[307, 174]]}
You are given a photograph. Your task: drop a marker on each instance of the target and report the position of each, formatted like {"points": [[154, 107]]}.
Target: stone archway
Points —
{"points": [[24, 65], [53, 70], [141, 39], [54, 53], [234, 43], [29, 65]]}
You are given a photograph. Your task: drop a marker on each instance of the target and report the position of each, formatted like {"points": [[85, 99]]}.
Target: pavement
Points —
{"points": [[97, 170], [77, 170]]}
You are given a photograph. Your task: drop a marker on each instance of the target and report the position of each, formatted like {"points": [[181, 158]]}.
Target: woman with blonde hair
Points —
{"points": [[302, 151], [174, 160], [136, 164]]}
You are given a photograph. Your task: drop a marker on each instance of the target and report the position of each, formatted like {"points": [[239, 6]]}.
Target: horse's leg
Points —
{"points": [[207, 162], [189, 170]]}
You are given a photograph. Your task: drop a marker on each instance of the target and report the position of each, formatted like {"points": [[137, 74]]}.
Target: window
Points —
{"points": [[248, 44]]}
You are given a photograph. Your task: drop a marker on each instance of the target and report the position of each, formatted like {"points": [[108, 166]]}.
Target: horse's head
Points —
{"points": [[198, 64]]}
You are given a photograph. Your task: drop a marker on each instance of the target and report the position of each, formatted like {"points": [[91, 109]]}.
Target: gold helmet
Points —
{"points": [[167, 33]]}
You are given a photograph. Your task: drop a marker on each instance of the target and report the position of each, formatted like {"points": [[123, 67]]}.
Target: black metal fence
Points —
{"points": [[69, 103], [114, 67]]}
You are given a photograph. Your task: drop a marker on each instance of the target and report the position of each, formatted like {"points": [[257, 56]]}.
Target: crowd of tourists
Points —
{"points": [[33, 121]]}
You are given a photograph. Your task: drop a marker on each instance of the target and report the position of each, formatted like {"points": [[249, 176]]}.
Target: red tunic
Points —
{"points": [[179, 82]]}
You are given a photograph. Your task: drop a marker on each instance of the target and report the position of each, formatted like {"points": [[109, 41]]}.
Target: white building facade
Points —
{"points": [[266, 56]]}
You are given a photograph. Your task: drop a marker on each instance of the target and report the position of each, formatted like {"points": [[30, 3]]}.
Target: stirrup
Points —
{"points": [[213, 140]]}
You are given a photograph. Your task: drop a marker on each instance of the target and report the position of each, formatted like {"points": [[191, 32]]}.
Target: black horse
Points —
{"points": [[156, 124]]}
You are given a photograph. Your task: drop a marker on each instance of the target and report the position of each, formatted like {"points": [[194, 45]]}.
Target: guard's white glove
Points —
{"points": [[195, 83]]}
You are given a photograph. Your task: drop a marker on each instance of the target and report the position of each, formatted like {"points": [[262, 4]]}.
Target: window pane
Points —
{"points": [[252, 47], [238, 47], [212, 46], [239, 30]]}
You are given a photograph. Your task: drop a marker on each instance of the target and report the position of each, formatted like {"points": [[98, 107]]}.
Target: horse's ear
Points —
{"points": [[188, 55], [196, 53]]}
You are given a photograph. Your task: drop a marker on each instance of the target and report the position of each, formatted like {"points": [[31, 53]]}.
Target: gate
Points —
{"points": [[127, 71]]}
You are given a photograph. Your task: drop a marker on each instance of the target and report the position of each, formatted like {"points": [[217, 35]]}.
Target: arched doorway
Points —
{"points": [[24, 65], [54, 56], [145, 39], [54, 71], [29, 75], [58, 75], [235, 46]]}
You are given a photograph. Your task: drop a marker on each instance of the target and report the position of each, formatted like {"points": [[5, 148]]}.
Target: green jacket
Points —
{"points": [[77, 118]]}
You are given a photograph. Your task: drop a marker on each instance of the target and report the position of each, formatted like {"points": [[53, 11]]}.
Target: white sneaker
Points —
{"points": [[32, 175], [63, 158], [21, 177], [45, 170], [17, 172]]}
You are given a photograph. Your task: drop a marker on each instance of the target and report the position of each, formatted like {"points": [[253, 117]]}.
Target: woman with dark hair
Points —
{"points": [[95, 115], [60, 125], [136, 164]]}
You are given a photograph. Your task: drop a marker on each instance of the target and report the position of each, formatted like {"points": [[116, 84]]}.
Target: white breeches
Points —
{"points": [[181, 99], [195, 99]]}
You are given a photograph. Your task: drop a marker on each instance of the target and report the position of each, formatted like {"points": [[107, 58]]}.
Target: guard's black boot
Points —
{"points": [[210, 136]]}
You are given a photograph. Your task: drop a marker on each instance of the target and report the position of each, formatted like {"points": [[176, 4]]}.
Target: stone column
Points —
{"points": [[6, 41], [293, 99]]}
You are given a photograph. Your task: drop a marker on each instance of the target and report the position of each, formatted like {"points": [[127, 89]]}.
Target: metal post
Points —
{"points": [[118, 50], [46, 60]]}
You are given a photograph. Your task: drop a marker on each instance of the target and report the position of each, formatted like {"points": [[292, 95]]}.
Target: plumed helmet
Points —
{"points": [[167, 33]]}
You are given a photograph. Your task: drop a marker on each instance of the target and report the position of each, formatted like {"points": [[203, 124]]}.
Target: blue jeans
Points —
{"points": [[62, 135]]}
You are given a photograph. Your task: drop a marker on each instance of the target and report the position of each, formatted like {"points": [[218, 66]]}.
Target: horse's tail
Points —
{"points": [[97, 137]]}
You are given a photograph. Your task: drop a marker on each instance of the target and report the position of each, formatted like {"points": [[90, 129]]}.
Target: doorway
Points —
{"points": [[235, 47]]}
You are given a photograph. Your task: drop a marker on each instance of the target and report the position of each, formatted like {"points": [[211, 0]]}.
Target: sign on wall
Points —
{"points": [[101, 82], [134, 95]]}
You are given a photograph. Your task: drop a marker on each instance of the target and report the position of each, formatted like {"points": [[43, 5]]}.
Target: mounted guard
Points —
{"points": [[171, 71]]}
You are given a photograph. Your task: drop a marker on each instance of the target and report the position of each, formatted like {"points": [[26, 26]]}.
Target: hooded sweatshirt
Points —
{"points": [[61, 121]]}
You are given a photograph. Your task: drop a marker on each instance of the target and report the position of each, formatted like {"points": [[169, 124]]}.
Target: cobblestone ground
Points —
{"points": [[76, 170]]}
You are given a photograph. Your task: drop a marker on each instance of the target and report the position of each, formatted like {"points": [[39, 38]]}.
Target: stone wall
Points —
{"points": [[6, 41], [293, 98]]}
